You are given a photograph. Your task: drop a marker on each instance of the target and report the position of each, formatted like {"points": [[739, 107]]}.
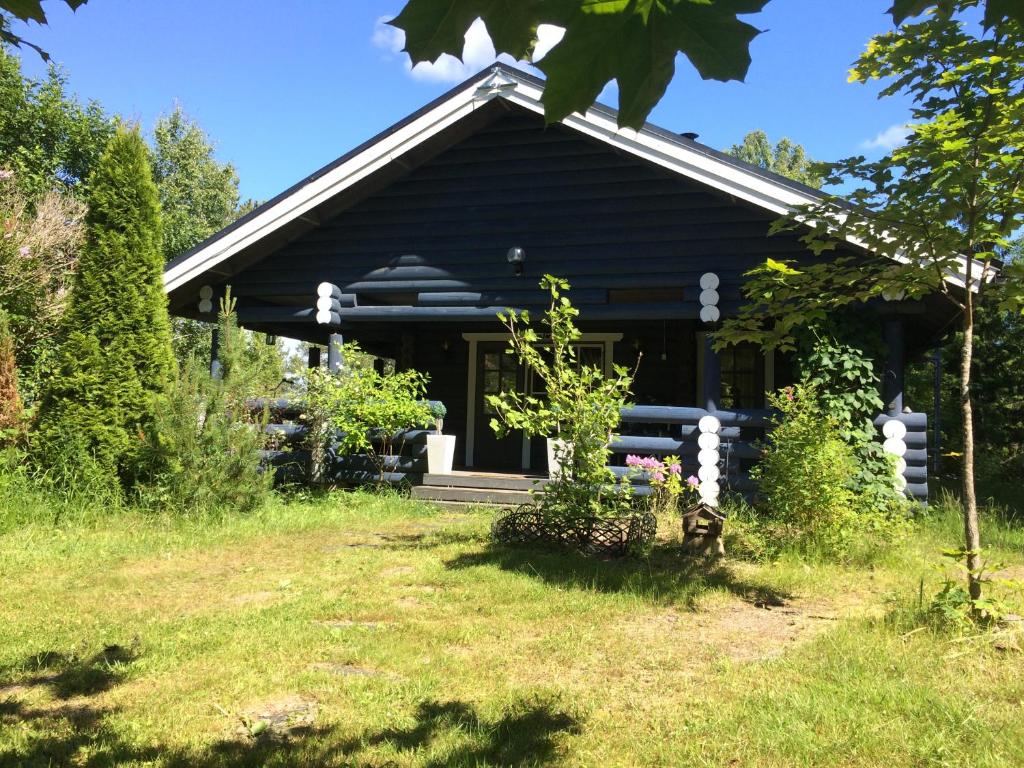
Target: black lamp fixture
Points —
{"points": [[516, 256]]}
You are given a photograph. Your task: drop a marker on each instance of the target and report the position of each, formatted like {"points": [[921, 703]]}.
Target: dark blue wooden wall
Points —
{"points": [[580, 209]]}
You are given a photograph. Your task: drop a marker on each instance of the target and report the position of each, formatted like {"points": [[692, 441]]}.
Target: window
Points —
{"points": [[742, 377], [500, 374]]}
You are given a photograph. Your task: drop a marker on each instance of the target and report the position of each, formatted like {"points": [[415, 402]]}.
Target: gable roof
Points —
{"points": [[669, 150]]}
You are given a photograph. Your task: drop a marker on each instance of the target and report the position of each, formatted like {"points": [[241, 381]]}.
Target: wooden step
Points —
{"points": [[494, 496], [495, 481]]}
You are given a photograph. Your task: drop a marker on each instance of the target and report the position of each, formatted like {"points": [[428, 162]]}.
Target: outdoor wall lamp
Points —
{"points": [[516, 256]]}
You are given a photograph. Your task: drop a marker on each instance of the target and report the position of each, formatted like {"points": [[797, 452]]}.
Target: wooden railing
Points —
{"points": [[290, 456], [646, 430]]}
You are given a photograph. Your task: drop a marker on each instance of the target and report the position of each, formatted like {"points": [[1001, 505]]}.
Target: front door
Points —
{"points": [[497, 371]]}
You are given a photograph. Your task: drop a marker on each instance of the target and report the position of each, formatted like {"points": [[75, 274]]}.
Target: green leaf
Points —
{"points": [[635, 43], [435, 27], [997, 10], [781, 267]]}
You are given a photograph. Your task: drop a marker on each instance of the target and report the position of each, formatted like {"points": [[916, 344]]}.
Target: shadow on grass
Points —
{"points": [[69, 675], [448, 733], [54, 732], [524, 736], [665, 574]]}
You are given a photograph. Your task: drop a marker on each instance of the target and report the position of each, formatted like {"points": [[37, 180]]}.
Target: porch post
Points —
{"points": [[712, 375], [313, 361], [892, 379], [334, 361], [215, 352]]}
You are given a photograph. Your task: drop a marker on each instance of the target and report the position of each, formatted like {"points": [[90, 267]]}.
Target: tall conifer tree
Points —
{"points": [[116, 356]]}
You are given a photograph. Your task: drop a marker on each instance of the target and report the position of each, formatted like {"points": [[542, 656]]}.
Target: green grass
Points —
{"points": [[377, 631]]}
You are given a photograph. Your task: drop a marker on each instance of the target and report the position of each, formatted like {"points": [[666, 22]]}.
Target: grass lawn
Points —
{"points": [[355, 630]]}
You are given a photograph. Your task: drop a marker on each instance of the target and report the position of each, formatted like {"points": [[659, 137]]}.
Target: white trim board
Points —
{"points": [[522, 90]]}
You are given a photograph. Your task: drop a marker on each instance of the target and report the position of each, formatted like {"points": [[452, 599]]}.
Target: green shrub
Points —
{"points": [[804, 474], [203, 447], [808, 500], [363, 410], [843, 376], [581, 407], [116, 358]]}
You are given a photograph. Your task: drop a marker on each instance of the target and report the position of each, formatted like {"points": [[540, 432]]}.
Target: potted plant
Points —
{"points": [[440, 447]]}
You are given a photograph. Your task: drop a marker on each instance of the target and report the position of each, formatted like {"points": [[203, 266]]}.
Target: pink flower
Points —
{"points": [[632, 461], [675, 468], [4, 174], [650, 463], [24, 250], [692, 481], [659, 477]]}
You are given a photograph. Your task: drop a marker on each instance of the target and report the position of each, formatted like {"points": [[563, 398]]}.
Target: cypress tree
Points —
{"points": [[116, 355]]}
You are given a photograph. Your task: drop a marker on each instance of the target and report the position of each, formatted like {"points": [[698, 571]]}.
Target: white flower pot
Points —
{"points": [[440, 454], [556, 448]]}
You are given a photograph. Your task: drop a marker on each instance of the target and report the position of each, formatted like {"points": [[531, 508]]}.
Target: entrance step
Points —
{"points": [[489, 481], [496, 496]]}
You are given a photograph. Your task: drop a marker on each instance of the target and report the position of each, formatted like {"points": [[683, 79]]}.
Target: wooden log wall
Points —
{"points": [[436, 238]]}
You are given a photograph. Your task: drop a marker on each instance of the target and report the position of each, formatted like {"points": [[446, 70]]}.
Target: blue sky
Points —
{"points": [[285, 87]]}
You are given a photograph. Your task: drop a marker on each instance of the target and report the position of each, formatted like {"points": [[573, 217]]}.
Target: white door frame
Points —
{"points": [[608, 339]]}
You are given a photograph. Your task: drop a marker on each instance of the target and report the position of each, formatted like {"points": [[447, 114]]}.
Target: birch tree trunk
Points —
{"points": [[972, 537]]}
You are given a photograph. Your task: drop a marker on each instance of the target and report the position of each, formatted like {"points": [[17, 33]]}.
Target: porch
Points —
{"points": [[720, 447]]}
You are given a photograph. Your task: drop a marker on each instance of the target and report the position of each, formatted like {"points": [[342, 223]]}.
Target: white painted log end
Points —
{"points": [[709, 314], [895, 446], [709, 297], [709, 423], [709, 281], [894, 428], [708, 441]]}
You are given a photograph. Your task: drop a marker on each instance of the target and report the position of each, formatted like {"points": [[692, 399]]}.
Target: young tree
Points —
{"points": [[941, 208], [633, 42], [116, 356], [785, 158]]}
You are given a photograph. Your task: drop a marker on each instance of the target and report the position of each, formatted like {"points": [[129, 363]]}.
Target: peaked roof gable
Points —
{"points": [[684, 156]]}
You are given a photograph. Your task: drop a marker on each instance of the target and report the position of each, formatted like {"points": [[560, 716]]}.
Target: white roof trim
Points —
{"points": [[647, 144]]}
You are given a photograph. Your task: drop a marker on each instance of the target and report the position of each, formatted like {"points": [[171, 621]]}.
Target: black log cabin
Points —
{"points": [[412, 231]]}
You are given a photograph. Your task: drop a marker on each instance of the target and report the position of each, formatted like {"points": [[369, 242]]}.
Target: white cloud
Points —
{"points": [[889, 139], [478, 51]]}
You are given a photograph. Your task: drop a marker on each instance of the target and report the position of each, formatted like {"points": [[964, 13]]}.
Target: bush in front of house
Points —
{"points": [[804, 475], [808, 498], [116, 355], [203, 447], [842, 372], [360, 410], [581, 408]]}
